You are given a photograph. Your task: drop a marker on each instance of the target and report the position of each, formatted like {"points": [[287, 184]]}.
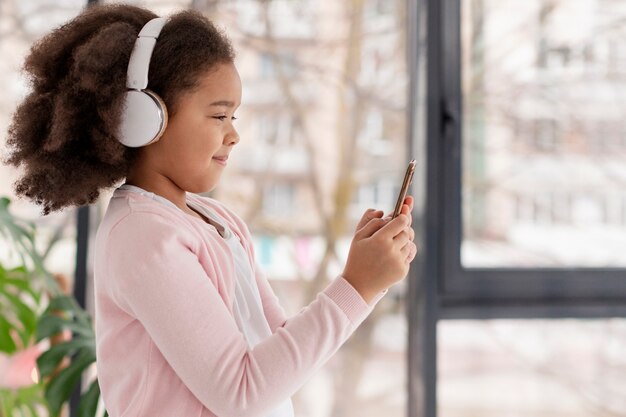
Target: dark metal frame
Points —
{"points": [[422, 291], [439, 286], [80, 274], [591, 286], [80, 283], [601, 291]]}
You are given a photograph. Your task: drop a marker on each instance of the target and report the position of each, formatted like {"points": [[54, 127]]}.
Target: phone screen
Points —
{"points": [[408, 176]]}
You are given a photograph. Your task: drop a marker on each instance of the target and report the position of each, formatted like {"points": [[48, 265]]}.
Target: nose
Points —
{"points": [[232, 138]]}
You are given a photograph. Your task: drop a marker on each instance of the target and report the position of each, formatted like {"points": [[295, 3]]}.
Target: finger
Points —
{"points": [[402, 238], [393, 227], [413, 253], [370, 213], [406, 249], [407, 252], [409, 200], [370, 228], [410, 250], [410, 233], [367, 216], [403, 209], [407, 210], [403, 234]]}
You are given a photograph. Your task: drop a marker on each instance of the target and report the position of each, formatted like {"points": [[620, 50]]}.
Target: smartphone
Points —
{"points": [[408, 176]]}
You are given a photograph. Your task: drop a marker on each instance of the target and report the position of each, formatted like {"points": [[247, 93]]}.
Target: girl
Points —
{"points": [[186, 322]]}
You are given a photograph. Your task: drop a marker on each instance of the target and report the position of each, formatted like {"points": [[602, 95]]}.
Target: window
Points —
{"points": [[372, 137], [520, 216], [59, 235], [276, 128], [268, 64], [278, 200], [378, 193], [531, 367], [544, 134], [561, 115]]}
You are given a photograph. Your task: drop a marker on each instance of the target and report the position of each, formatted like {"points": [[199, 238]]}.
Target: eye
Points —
{"points": [[223, 117]]}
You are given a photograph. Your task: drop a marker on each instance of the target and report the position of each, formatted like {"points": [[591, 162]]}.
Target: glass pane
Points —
{"points": [[531, 368], [21, 23], [544, 133], [296, 128], [322, 125]]}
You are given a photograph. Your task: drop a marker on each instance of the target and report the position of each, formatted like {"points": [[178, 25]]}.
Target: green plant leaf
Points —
{"points": [[68, 304], [20, 284], [27, 317], [88, 404], [7, 344], [24, 320], [30, 396], [29, 393], [7, 403], [20, 278], [60, 388], [13, 286], [22, 233], [64, 302], [50, 325], [31, 408], [50, 359], [23, 400]]}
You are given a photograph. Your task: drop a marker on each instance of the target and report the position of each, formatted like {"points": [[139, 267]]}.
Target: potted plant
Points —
{"points": [[27, 319]]}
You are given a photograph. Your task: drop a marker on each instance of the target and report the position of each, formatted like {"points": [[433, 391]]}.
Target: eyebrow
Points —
{"points": [[223, 103]]}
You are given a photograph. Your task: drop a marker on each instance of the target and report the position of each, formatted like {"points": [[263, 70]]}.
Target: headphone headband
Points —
{"points": [[137, 75], [144, 118]]}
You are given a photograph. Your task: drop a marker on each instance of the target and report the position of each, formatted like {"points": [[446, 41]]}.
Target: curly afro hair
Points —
{"points": [[64, 131]]}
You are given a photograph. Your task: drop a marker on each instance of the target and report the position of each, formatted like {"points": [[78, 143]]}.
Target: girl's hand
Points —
{"points": [[373, 214], [381, 251]]}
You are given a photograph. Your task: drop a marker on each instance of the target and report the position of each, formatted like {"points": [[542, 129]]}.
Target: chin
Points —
{"points": [[201, 188]]}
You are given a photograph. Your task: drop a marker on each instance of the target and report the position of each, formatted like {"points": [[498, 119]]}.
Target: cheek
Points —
{"points": [[193, 138], [202, 138]]}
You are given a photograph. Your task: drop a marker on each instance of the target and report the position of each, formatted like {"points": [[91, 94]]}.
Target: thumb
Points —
{"points": [[394, 226]]}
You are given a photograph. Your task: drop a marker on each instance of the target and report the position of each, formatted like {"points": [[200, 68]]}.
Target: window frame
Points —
{"points": [[438, 286], [602, 291]]}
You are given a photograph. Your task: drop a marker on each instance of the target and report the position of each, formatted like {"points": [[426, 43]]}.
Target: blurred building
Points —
{"points": [[545, 139], [322, 121]]}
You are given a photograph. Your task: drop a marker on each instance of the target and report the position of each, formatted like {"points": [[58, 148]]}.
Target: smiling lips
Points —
{"points": [[221, 159]]}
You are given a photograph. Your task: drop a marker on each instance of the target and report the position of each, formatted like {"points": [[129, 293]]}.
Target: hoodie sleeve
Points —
{"points": [[156, 277], [274, 312]]}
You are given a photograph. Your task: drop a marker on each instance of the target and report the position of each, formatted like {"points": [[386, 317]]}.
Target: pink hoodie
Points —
{"points": [[166, 340]]}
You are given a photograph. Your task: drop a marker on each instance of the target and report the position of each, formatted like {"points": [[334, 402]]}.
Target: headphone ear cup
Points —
{"points": [[144, 118]]}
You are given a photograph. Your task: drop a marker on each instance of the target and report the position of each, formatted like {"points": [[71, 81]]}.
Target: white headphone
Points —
{"points": [[144, 116]]}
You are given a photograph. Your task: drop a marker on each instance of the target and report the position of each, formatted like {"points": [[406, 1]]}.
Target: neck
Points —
{"points": [[159, 184]]}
